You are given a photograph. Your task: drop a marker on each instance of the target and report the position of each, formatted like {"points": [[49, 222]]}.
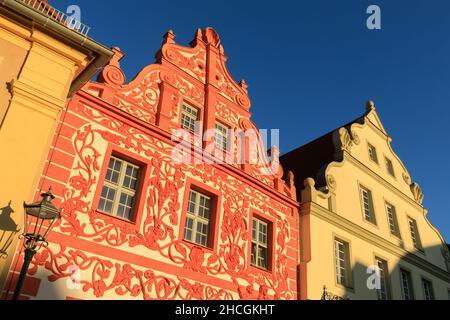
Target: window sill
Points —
{"points": [[266, 271], [370, 223], [223, 155], [192, 245], [397, 238], [347, 288], [419, 250], [108, 215]]}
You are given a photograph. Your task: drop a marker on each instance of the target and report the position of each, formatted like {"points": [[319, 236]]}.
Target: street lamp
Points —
{"points": [[39, 219]]}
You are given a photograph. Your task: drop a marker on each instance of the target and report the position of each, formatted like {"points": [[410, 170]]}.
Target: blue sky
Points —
{"points": [[311, 65]]}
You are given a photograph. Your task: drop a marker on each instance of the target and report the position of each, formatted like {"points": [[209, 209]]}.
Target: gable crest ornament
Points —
{"points": [[417, 193]]}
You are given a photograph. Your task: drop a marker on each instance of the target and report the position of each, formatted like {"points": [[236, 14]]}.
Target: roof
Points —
{"points": [[312, 159]]}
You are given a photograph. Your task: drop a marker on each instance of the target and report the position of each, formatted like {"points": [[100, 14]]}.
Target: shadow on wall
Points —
{"points": [[361, 279], [8, 230], [36, 287]]}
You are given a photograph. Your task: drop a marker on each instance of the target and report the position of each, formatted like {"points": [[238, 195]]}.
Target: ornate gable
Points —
{"points": [[196, 75]]}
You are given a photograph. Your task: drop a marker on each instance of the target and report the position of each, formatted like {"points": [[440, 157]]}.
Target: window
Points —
{"points": [[221, 136], [392, 218], [406, 284], [342, 257], [383, 291], [390, 167], [119, 189], [367, 203], [260, 239], [198, 218], [427, 287], [373, 153], [189, 117], [414, 234]]}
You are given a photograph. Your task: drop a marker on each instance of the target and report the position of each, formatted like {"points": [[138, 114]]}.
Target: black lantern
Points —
{"points": [[39, 219]]}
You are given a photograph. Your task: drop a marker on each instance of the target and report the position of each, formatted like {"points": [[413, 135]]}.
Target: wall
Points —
{"points": [[37, 71]]}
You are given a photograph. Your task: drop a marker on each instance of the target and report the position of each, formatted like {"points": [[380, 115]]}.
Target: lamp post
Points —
{"points": [[39, 220]]}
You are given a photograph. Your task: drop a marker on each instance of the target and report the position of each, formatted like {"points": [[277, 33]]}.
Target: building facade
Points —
{"points": [[362, 215], [140, 221], [42, 62], [167, 191]]}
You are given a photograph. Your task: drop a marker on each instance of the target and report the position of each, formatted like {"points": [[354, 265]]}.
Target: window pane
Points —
{"points": [[383, 290], [188, 118], [390, 167], [259, 244], [198, 218], [427, 290], [367, 205], [373, 153], [221, 136], [414, 233], [113, 200], [262, 258], [254, 253], [392, 218], [406, 285], [108, 206], [188, 228], [342, 263], [120, 211]]}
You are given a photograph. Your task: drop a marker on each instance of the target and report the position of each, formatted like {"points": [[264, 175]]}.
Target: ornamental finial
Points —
{"points": [[169, 37], [244, 85], [370, 106]]}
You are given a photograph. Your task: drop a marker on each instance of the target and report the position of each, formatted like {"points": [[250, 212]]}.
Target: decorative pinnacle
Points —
{"points": [[118, 55], [244, 85], [370, 106], [169, 37]]}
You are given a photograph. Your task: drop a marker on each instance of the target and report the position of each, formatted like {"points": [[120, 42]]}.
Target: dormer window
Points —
{"points": [[373, 153], [189, 117]]}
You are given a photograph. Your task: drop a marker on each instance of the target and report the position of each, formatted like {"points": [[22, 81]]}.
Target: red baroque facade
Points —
{"points": [[146, 257]]}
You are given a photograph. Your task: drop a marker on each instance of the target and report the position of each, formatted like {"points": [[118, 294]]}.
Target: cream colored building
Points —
{"points": [[42, 62], [360, 208]]}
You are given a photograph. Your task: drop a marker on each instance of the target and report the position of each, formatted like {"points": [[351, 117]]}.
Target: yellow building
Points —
{"points": [[43, 60], [361, 210]]}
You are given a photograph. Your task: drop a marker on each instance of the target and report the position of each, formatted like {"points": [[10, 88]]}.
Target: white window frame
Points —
{"points": [[342, 262], [430, 294], [189, 116], [373, 154], [222, 132], [120, 189], [262, 229], [394, 227], [414, 233], [369, 212], [197, 219], [389, 167], [384, 292], [406, 285]]}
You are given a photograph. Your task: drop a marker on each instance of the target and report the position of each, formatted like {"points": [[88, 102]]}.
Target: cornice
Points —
{"points": [[363, 234]]}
